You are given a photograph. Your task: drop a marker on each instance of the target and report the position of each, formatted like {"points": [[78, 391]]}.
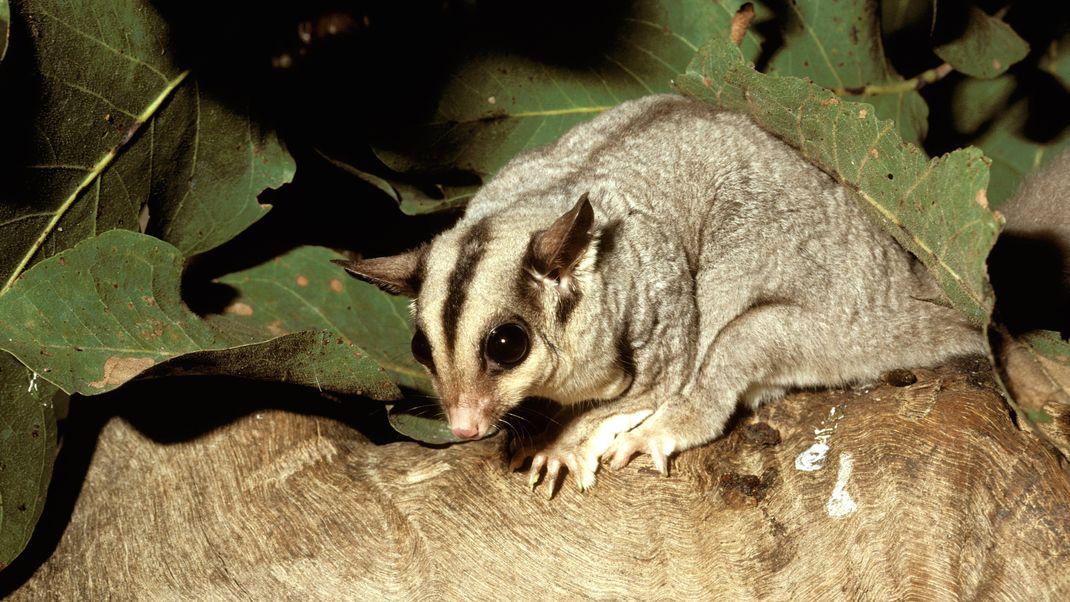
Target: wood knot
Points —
{"points": [[740, 490], [760, 434], [900, 377], [917, 400]]}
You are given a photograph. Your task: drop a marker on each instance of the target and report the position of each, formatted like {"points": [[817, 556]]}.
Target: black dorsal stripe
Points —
{"points": [[473, 246]]}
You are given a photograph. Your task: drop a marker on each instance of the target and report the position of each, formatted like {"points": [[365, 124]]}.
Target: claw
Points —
{"points": [[537, 462], [620, 452], [553, 469], [661, 461], [517, 461], [585, 479], [573, 465]]}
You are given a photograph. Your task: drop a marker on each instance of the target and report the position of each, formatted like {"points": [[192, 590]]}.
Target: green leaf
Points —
{"points": [[5, 27], [1057, 60], [423, 426], [498, 104], [27, 451], [314, 358], [934, 208], [91, 318], [838, 46], [986, 48], [1049, 344], [897, 15], [303, 289], [411, 199], [1038, 416], [1014, 155], [976, 101], [119, 127], [97, 315]]}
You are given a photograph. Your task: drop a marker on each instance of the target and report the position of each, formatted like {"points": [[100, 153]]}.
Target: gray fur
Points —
{"points": [[1041, 208], [721, 267], [1030, 265]]}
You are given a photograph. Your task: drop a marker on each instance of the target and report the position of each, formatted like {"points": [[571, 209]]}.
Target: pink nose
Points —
{"points": [[462, 432]]}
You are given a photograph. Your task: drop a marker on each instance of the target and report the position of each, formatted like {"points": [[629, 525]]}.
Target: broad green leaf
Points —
{"points": [[5, 27], [303, 289], [107, 310], [1013, 154], [27, 451], [91, 318], [315, 358], [934, 208], [986, 48], [496, 105], [838, 45], [976, 101], [119, 127]]}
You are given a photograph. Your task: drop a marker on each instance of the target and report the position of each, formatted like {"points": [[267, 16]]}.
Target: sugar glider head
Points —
{"points": [[506, 307]]}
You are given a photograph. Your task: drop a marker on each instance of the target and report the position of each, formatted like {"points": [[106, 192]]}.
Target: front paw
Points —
{"points": [[578, 448], [650, 438]]}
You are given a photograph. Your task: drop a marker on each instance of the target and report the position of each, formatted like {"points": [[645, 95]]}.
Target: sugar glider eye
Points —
{"points": [[421, 349], [507, 345]]}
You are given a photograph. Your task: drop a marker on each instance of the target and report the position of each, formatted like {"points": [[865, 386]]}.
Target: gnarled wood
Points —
{"points": [[928, 491]]}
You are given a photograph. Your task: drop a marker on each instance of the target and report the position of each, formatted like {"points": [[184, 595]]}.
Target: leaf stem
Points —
{"points": [[926, 77], [93, 174]]}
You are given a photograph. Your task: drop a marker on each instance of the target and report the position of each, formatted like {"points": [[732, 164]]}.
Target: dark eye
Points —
{"points": [[421, 349], [507, 345]]}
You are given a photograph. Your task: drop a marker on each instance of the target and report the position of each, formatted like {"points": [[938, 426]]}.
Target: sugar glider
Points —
{"points": [[659, 264]]}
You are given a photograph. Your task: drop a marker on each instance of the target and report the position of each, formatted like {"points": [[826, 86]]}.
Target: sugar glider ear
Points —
{"points": [[398, 274], [555, 252]]}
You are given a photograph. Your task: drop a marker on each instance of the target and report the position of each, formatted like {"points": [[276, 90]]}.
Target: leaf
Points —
{"points": [[314, 358], [100, 314], [1013, 154], [986, 48], [1036, 370], [5, 27], [897, 15], [423, 427], [1050, 345], [27, 451], [934, 208], [838, 46], [93, 317], [1057, 60], [976, 101], [117, 125], [303, 289], [411, 199], [496, 105]]}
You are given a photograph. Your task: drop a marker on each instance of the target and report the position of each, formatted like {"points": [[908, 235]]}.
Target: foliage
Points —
{"points": [[135, 164]]}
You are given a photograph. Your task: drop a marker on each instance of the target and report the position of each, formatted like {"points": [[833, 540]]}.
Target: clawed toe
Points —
{"points": [[580, 455], [628, 445]]}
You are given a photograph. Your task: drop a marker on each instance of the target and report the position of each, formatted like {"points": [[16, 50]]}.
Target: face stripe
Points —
{"points": [[473, 246], [565, 305]]}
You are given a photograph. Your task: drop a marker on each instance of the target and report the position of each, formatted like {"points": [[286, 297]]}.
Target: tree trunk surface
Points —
{"points": [[927, 491]]}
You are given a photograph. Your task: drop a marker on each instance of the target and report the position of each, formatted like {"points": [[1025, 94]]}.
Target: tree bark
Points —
{"points": [[927, 491]]}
